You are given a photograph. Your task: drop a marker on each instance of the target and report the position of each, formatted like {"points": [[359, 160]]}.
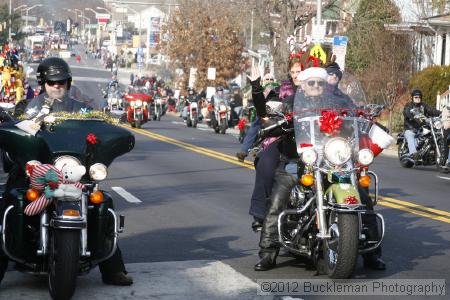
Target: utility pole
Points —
{"points": [[10, 21], [251, 30]]}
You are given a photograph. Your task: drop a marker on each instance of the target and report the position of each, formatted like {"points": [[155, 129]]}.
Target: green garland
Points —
{"points": [[60, 117]]}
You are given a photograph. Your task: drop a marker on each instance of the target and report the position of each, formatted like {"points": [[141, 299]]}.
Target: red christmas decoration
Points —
{"points": [[241, 124], [289, 116], [330, 123], [91, 139]]}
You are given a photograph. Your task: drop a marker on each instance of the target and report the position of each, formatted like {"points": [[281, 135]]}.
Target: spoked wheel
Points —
{"points": [[341, 250], [63, 263]]}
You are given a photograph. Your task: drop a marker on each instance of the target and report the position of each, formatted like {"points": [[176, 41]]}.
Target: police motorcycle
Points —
{"points": [[114, 102], [158, 107], [192, 117], [59, 223], [323, 220], [221, 115], [430, 141]]}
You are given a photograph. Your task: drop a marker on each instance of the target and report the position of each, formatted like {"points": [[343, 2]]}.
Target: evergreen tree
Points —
{"points": [[368, 21]]}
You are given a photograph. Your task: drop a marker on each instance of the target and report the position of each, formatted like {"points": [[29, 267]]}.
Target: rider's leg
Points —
{"points": [[411, 140], [265, 172], [269, 245], [372, 259]]}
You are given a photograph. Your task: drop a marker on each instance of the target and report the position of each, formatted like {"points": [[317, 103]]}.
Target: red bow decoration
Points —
{"points": [[315, 60], [91, 139], [289, 116], [296, 55], [330, 123], [241, 124]]}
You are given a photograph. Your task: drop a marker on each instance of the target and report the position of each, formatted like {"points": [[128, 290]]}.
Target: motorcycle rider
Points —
{"points": [[191, 97], [411, 113], [313, 85], [55, 77]]}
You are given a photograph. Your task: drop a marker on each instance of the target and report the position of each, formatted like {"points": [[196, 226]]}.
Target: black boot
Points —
{"points": [[257, 224], [3, 266], [267, 261]]}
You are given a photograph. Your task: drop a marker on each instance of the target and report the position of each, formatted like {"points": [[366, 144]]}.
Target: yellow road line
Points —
{"points": [[418, 206], [415, 212], [428, 212], [200, 150]]}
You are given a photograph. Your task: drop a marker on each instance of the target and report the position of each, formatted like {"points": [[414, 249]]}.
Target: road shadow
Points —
{"points": [[178, 244]]}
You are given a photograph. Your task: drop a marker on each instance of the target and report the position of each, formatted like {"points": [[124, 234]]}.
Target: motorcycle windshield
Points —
{"points": [[67, 138], [318, 120]]}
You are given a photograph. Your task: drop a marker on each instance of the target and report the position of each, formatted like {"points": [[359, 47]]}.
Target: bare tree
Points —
{"points": [[204, 34], [389, 70], [281, 18]]}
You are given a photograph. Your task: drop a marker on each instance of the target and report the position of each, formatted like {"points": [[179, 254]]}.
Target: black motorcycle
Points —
{"points": [[71, 235], [431, 145]]}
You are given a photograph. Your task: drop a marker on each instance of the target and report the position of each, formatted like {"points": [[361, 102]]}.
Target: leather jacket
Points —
{"points": [[412, 109], [67, 104]]}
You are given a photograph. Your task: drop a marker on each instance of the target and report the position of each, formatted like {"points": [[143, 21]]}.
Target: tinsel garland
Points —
{"points": [[59, 117]]}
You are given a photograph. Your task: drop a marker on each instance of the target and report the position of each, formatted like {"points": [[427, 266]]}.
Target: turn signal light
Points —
{"points": [[32, 195], [307, 180], [96, 197], [71, 213], [364, 181]]}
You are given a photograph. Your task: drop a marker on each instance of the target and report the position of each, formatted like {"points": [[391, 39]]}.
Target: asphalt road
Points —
{"points": [[189, 237]]}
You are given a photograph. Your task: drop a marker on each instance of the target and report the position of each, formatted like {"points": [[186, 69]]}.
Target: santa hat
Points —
{"points": [[313, 72], [380, 139]]}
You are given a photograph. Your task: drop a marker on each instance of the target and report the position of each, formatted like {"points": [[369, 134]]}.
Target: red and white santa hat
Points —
{"points": [[380, 139]]}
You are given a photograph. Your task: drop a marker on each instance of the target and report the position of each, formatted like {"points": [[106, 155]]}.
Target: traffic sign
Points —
{"points": [[318, 52], [102, 16], [340, 49]]}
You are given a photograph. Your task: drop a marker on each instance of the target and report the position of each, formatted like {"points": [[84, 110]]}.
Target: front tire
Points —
{"points": [[138, 124], [402, 152], [223, 128], [341, 250], [63, 263]]}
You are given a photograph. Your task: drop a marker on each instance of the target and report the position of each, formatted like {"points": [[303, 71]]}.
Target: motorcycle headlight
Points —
{"points": [[309, 156], [132, 103], [437, 124], [222, 108], [109, 100], [138, 102], [66, 160], [120, 101], [337, 151], [365, 157], [114, 101], [98, 172]]}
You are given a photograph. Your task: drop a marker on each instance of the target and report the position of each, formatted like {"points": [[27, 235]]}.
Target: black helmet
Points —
{"points": [[416, 92], [53, 69]]}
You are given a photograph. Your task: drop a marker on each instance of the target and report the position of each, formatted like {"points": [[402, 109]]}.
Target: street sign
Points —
{"points": [[91, 26], [318, 52], [102, 16], [211, 74], [192, 77], [340, 49]]}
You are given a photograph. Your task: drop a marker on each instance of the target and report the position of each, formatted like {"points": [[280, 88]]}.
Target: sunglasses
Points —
{"points": [[269, 79], [320, 83], [57, 82]]}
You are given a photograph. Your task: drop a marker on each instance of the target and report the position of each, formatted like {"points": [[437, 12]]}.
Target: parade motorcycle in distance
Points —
{"points": [[114, 103], [158, 108], [431, 144], [221, 116], [138, 111], [66, 233], [192, 114], [324, 217]]}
